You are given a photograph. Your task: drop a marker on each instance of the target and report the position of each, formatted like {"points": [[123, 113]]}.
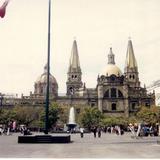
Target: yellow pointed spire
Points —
{"points": [[74, 59], [130, 58]]}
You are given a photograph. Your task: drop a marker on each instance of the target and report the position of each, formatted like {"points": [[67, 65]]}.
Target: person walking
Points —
{"points": [[95, 131], [82, 132], [99, 132], [1, 131], [14, 126], [8, 131]]}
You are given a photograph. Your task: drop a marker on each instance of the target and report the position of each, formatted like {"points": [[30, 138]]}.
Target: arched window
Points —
{"points": [[41, 90], [133, 106], [78, 110], [92, 104], [113, 93], [113, 77], [71, 90], [106, 95], [133, 76], [114, 107]]}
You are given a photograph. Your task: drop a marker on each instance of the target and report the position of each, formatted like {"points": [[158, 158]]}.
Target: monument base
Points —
{"points": [[44, 139], [71, 127]]}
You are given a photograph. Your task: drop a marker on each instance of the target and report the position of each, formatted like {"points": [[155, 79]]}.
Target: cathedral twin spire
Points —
{"points": [[131, 68], [130, 58], [74, 63], [74, 72], [129, 63]]}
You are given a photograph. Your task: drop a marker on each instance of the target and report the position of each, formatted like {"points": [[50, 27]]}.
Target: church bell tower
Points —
{"points": [[131, 67], [74, 74]]}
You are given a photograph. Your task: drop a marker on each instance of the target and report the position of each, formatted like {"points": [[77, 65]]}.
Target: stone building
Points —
{"points": [[117, 93]]}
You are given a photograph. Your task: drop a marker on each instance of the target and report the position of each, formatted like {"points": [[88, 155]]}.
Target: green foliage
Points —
{"points": [[26, 115], [112, 121], [54, 111], [6, 115], [37, 124], [149, 115], [22, 115], [63, 114], [133, 120], [85, 116], [32, 116], [90, 117], [53, 115], [108, 121]]}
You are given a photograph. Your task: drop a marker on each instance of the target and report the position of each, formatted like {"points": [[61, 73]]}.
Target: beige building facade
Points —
{"points": [[117, 93]]}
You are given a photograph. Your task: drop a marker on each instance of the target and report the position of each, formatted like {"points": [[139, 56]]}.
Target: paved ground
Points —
{"points": [[108, 146]]}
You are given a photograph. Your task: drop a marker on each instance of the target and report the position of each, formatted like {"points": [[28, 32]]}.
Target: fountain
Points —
{"points": [[71, 123]]}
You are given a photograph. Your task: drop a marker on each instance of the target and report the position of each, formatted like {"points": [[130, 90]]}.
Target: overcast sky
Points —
{"points": [[96, 24]]}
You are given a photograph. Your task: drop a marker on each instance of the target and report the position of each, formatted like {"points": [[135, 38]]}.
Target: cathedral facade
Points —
{"points": [[116, 93]]}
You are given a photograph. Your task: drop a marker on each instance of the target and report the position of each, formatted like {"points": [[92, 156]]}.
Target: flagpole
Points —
{"points": [[48, 70]]}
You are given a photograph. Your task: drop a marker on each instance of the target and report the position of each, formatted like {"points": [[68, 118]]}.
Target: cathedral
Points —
{"points": [[117, 93]]}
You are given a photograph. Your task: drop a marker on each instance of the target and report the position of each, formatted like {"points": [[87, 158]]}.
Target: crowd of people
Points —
{"points": [[136, 130], [143, 129], [12, 127], [97, 131], [7, 129]]}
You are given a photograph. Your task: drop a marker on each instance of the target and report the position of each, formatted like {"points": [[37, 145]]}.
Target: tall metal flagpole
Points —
{"points": [[48, 70]]}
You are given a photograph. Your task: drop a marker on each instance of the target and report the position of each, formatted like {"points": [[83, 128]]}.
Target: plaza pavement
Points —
{"points": [[108, 146]]}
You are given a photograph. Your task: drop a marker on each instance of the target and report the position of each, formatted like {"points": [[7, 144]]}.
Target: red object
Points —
{"points": [[3, 8]]}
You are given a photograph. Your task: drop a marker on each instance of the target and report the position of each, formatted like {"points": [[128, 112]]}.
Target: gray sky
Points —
{"points": [[96, 24]]}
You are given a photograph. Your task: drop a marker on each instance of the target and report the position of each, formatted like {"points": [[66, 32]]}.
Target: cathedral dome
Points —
{"points": [[111, 69], [41, 84], [43, 79]]}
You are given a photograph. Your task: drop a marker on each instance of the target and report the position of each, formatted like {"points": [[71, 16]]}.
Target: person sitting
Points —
{"points": [[26, 131]]}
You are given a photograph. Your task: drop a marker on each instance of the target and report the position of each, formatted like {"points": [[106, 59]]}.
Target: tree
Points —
{"points": [[90, 117], [133, 120], [30, 116], [53, 115], [63, 114], [149, 115], [112, 121], [6, 115], [109, 121], [26, 115]]}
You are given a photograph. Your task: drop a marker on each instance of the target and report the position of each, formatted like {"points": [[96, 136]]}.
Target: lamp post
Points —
{"points": [[48, 71]]}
